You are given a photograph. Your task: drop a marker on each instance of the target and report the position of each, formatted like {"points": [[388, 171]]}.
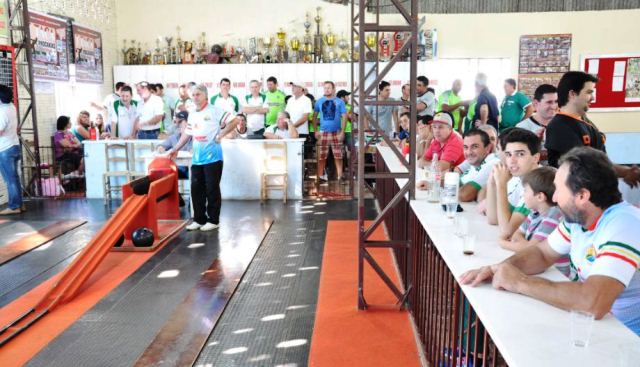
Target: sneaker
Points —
{"points": [[8, 211], [209, 227], [194, 226]]}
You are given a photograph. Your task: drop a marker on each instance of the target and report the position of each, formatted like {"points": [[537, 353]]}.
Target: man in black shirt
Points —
{"points": [[487, 111], [571, 128]]}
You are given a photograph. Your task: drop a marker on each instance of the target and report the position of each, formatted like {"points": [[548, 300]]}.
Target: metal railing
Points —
{"points": [[450, 332], [50, 178]]}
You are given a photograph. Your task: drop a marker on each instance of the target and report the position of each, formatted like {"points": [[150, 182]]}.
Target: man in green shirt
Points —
{"points": [[451, 102], [275, 98], [515, 106]]}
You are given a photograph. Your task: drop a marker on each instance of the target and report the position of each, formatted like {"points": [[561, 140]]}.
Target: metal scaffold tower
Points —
{"points": [[20, 38], [366, 75]]}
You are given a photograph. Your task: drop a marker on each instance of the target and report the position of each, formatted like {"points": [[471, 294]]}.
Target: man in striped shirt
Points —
{"points": [[600, 234]]}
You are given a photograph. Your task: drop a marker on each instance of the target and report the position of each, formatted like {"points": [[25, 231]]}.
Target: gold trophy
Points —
{"points": [[371, 41], [294, 55], [317, 39], [307, 49], [281, 46], [129, 53], [146, 58], [330, 53]]}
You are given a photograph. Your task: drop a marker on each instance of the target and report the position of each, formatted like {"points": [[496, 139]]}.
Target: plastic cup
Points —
{"points": [[469, 244], [581, 325], [460, 226], [451, 209]]}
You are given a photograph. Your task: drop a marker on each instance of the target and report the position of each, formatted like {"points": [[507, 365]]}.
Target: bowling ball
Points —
{"points": [[142, 237], [119, 242]]}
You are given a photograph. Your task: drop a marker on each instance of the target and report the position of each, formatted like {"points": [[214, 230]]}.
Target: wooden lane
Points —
{"points": [[31, 241], [183, 336]]}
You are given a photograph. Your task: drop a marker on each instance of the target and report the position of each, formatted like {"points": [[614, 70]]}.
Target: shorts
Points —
{"points": [[326, 140]]}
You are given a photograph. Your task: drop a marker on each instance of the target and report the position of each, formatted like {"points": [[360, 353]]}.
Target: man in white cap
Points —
{"points": [[299, 107], [446, 143]]}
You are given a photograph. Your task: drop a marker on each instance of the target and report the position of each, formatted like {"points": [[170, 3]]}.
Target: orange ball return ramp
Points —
{"points": [[151, 202]]}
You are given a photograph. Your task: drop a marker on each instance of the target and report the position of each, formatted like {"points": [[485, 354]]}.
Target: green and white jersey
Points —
{"points": [[515, 195], [478, 176], [229, 104]]}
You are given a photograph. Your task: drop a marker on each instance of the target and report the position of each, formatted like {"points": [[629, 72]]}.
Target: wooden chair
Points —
{"points": [[136, 160], [110, 158], [275, 167]]}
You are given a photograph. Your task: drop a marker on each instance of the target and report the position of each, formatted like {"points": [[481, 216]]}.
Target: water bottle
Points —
{"points": [[433, 180], [450, 193]]}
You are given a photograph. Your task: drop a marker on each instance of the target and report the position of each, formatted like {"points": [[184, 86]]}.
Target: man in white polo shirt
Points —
{"points": [[299, 107], [600, 234], [255, 106], [151, 112], [282, 129], [224, 99], [125, 114], [204, 127], [478, 163]]}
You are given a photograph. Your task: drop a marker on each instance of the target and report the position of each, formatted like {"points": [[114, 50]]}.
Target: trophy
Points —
{"points": [[317, 39], [281, 46], [202, 49], [168, 54], [254, 55], [371, 41], [146, 58], [343, 45], [240, 53], [128, 53], [307, 46], [187, 55], [294, 55], [267, 56], [385, 47], [158, 58], [330, 52], [179, 47]]}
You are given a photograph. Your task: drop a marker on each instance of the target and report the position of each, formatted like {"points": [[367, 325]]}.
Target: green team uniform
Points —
{"points": [[276, 102], [450, 99], [348, 125], [512, 110], [471, 113]]}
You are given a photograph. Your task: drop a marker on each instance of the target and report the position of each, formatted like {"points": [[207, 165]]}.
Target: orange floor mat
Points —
{"points": [[115, 268], [344, 336]]}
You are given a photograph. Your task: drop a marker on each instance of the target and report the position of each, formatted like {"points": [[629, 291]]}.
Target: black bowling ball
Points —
{"points": [[142, 237]]}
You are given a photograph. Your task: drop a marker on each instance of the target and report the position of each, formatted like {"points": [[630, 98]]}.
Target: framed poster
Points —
{"points": [[527, 83], [618, 86], [49, 35], [87, 53], [545, 53]]}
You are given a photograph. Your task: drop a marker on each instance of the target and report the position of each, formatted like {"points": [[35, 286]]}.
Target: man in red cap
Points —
{"points": [[446, 143]]}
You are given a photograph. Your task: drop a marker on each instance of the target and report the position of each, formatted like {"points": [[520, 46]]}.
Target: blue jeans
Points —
{"points": [[9, 169], [148, 134]]}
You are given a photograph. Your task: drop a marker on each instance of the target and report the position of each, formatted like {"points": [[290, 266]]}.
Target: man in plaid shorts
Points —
{"points": [[332, 113]]}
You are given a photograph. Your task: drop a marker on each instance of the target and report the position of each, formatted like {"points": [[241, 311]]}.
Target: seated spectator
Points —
{"points": [[493, 136], [81, 128], [68, 149], [180, 120], [446, 143], [283, 129], [544, 215], [600, 233], [479, 161], [242, 130], [104, 131], [505, 196]]}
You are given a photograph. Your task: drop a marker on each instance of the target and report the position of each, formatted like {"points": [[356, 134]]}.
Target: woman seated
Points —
{"points": [[68, 149], [81, 129], [103, 131]]}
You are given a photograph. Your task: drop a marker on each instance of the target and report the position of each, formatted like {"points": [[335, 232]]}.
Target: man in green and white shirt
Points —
{"points": [[255, 107], [479, 161], [225, 100], [515, 106], [275, 100], [450, 101]]}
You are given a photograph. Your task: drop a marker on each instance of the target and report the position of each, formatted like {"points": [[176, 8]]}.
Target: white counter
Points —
{"points": [[241, 176], [526, 331]]}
